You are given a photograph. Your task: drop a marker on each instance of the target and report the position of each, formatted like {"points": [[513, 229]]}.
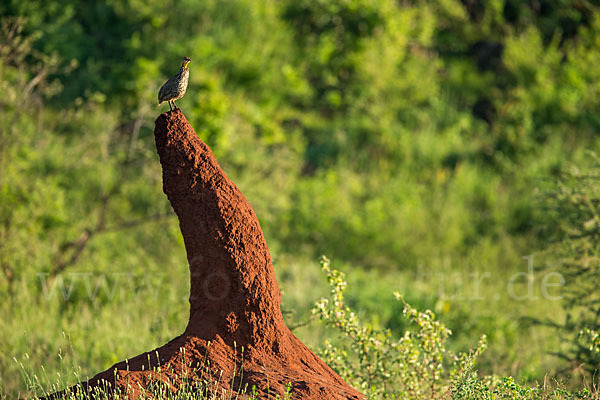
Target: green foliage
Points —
{"points": [[417, 365], [492, 388], [392, 135], [414, 366], [572, 202]]}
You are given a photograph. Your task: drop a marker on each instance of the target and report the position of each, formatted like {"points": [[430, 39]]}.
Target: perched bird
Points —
{"points": [[175, 88]]}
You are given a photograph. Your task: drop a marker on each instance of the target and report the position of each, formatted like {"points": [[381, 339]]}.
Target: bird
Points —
{"points": [[175, 87]]}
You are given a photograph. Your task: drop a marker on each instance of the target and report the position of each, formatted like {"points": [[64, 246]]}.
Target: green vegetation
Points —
{"points": [[409, 141], [417, 365], [572, 205], [190, 386]]}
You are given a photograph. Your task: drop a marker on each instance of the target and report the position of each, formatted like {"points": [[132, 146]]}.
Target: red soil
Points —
{"points": [[234, 297]]}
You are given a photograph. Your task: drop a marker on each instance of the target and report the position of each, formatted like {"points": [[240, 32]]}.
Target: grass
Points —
{"points": [[162, 383], [351, 348]]}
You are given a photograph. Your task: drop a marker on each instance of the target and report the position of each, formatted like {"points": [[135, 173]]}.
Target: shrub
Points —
{"points": [[573, 235], [417, 365]]}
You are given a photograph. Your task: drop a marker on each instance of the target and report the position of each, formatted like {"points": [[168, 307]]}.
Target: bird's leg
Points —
{"points": [[170, 106], [175, 105]]}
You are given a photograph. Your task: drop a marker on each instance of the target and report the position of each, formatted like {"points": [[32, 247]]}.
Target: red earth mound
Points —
{"points": [[234, 297]]}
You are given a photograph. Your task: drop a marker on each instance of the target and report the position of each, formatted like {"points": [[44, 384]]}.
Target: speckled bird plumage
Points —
{"points": [[176, 86]]}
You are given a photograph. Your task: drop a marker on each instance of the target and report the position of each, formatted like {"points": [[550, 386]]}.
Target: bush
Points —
{"points": [[574, 235], [417, 365]]}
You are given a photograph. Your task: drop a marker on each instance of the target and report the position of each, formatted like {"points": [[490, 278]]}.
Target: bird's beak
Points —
{"points": [[185, 64]]}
